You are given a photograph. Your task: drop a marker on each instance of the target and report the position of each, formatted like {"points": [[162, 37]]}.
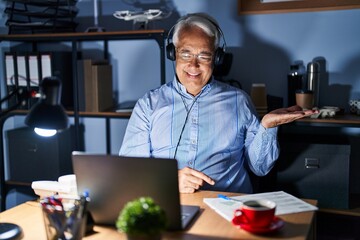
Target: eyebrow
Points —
{"points": [[202, 52]]}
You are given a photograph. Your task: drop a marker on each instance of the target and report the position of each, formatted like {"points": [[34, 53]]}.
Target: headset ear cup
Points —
{"points": [[219, 56], [170, 52]]}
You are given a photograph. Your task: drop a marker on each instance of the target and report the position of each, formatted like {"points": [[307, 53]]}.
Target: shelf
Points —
{"points": [[45, 2], [35, 16], [84, 36], [81, 114], [346, 120], [258, 7], [47, 13], [15, 183]]}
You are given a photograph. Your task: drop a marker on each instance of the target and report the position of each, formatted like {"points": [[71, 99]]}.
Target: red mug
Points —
{"points": [[256, 213]]}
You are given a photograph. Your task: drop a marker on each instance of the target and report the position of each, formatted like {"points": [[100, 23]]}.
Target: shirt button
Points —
{"points": [[190, 163], [193, 141]]}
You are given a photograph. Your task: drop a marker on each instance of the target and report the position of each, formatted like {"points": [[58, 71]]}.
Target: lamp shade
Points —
{"points": [[48, 113]]}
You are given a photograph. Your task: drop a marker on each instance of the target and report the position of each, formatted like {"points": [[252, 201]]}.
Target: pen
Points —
{"points": [[228, 198]]}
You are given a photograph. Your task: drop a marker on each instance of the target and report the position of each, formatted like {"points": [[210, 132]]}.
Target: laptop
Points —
{"points": [[112, 181]]}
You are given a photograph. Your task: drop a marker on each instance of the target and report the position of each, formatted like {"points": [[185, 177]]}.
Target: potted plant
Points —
{"points": [[142, 218]]}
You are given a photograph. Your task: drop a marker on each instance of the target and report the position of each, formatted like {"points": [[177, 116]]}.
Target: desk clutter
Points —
{"points": [[65, 187], [41, 16], [64, 211], [326, 112], [281, 202], [64, 219]]}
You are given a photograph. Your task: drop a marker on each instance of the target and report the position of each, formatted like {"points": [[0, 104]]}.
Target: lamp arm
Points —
{"points": [[22, 97], [10, 95]]}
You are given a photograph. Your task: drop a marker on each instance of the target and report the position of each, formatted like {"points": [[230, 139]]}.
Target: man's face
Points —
{"points": [[194, 59]]}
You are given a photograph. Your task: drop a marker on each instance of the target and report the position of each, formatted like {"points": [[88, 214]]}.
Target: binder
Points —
{"points": [[27, 69], [33, 63], [45, 59], [17, 72], [10, 69], [21, 70]]}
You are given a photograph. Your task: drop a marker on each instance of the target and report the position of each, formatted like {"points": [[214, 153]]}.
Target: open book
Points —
{"points": [[285, 203]]}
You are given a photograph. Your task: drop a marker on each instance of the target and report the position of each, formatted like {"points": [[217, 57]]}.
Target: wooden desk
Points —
{"points": [[208, 224]]}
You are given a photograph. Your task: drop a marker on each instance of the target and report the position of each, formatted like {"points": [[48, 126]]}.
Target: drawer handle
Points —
{"points": [[312, 163], [32, 148]]}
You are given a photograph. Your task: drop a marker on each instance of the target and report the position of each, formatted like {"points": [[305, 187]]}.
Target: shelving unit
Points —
{"points": [[75, 38], [34, 16]]}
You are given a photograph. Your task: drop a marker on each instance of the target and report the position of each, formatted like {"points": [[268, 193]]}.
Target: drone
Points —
{"points": [[142, 17]]}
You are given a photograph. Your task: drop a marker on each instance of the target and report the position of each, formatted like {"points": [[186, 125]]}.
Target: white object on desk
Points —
{"points": [[64, 187], [326, 112]]}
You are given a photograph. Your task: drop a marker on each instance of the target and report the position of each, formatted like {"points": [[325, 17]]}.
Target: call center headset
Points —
{"points": [[220, 51]]}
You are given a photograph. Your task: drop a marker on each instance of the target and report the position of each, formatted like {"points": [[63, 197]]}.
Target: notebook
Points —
{"points": [[112, 181]]}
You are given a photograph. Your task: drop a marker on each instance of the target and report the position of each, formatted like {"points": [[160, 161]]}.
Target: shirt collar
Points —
{"points": [[182, 90]]}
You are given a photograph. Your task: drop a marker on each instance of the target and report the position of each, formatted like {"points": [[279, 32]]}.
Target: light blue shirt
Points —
{"points": [[222, 136]]}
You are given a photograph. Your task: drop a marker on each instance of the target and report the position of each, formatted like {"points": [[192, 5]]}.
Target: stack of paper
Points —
{"points": [[285, 203]]}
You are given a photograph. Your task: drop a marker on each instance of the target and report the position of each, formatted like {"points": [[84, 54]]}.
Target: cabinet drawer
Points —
{"points": [[33, 158], [317, 171]]}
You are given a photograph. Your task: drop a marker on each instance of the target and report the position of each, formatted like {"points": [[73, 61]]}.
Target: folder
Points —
{"points": [[10, 69], [45, 59], [21, 70], [33, 63]]}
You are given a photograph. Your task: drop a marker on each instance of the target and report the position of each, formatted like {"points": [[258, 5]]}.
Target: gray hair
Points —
{"points": [[201, 20]]}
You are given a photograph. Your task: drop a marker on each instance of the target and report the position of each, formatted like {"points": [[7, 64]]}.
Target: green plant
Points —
{"points": [[142, 216]]}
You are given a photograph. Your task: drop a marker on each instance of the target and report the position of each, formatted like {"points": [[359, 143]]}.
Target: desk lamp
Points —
{"points": [[47, 116]]}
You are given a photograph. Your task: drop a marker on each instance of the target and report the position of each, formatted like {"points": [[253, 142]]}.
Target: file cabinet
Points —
{"points": [[315, 171], [32, 157], [319, 159]]}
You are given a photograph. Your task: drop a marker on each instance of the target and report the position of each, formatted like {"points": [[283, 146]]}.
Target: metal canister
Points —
{"points": [[313, 80]]}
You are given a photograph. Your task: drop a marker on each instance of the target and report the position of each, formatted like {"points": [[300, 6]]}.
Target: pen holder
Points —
{"points": [[64, 220]]}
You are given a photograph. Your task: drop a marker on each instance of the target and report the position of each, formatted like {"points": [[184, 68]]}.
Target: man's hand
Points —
{"points": [[285, 115], [191, 180]]}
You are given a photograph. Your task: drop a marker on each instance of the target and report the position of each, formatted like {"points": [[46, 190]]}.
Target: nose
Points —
{"points": [[194, 60]]}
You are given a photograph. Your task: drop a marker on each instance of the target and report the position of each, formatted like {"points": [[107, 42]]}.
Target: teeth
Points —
{"points": [[193, 74]]}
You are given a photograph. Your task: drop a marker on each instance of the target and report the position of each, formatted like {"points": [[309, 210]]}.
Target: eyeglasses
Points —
{"points": [[201, 57]]}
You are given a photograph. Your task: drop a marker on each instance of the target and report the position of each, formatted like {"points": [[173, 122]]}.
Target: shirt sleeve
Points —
{"points": [[136, 142], [263, 148]]}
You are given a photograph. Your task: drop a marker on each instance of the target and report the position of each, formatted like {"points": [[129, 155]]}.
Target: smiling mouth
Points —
{"points": [[193, 75]]}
